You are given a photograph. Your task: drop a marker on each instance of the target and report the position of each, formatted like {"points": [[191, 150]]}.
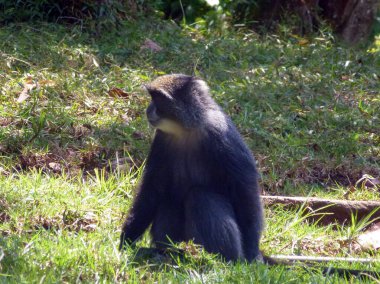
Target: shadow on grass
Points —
{"points": [[303, 109]]}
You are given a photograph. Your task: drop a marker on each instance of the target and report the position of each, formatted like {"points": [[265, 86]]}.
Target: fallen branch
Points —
{"points": [[329, 211], [310, 261], [301, 258]]}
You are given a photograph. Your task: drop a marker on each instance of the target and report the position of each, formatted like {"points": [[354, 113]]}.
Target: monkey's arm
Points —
{"points": [[140, 216], [145, 203]]}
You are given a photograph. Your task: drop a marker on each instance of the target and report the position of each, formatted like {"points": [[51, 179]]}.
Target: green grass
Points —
{"points": [[309, 112], [71, 154], [63, 229]]}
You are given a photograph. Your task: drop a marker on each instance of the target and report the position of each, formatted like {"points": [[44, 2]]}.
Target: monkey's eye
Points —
{"points": [[165, 108], [161, 99]]}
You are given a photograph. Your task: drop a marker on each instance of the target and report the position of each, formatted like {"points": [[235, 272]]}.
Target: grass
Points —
{"points": [[64, 229], [71, 153]]}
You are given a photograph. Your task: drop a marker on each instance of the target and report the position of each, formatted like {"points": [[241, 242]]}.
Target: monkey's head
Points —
{"points": [[181, 104]]}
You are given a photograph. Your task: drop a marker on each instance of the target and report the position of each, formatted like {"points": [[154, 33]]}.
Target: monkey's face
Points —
{"points": [[158, 119], [174, 107]]}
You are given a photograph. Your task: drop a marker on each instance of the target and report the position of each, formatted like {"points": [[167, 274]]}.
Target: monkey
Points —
{"points": [[200, 180]]}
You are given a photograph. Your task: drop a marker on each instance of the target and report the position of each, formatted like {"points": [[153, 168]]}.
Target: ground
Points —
{"points": [[73, 139]]}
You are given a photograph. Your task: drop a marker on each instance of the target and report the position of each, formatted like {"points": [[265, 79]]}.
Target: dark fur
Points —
{"points": [[202, 187]]}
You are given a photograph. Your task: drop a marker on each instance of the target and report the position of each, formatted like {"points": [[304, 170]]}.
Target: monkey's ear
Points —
{"points": [[146, 87], [150, 89]]}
